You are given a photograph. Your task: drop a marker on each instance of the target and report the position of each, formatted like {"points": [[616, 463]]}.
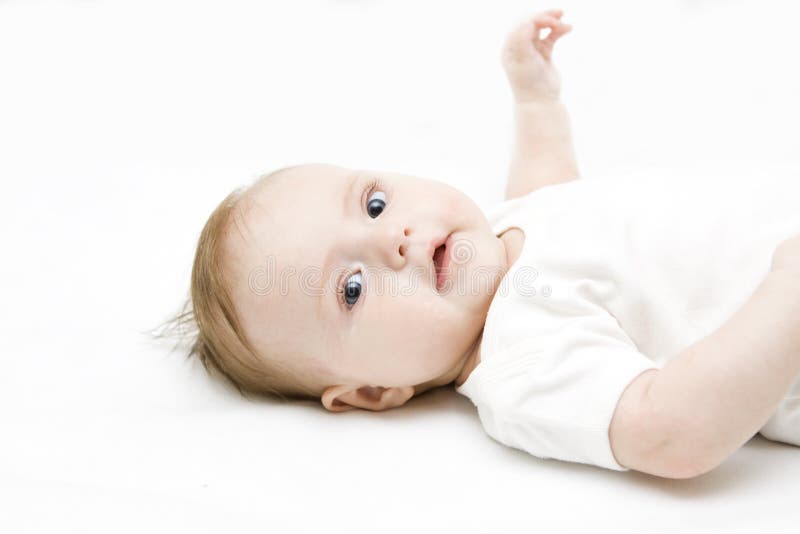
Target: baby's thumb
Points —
{"points": [[557, 32]]}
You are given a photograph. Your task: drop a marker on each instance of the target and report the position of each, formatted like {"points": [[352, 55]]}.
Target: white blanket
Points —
{"points": [[123, 123]]}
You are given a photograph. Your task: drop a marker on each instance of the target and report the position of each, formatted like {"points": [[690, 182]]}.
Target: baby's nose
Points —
{"points": [[394, 246]]}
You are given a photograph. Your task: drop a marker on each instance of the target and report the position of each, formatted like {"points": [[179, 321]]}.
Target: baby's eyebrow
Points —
{"points": [[349, 191]]}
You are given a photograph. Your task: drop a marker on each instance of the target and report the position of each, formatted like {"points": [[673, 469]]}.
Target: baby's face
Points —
{"points": [[343, 276]]}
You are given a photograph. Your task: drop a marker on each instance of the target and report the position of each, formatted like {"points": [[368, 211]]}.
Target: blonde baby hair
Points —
{"points": [[209, 324]]}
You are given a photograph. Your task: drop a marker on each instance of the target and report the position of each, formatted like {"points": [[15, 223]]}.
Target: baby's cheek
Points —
{"points": [[456, 203], [428, 327]]}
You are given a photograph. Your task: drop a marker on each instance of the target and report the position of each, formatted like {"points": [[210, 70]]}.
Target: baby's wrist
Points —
{"points": [[538, 104], [537, 100]]}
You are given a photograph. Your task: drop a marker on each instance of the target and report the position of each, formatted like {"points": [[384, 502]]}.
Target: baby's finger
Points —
{"points": [[546, 44], [557, 32], [545, 23], [542, 22], [552, 14], [556, 13], [545, 17]]}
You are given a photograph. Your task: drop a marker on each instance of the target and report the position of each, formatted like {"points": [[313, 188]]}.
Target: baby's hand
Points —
{"points": [[526, 58]]}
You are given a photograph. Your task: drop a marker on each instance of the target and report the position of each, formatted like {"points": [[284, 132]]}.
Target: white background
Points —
{"points": [[122, 125]]}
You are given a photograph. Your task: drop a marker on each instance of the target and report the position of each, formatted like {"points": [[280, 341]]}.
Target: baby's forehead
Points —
{"points": [[261, 264], [285, 181], [281, 217], [282, 202]]}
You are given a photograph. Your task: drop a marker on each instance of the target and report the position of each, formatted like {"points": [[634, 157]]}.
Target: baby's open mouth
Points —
{"points": [[441, 260]]}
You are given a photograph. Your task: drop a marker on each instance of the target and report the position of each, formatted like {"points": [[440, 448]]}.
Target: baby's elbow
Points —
{"points": [[687, 470], [664, 466], [678, 460], [647, 441]]}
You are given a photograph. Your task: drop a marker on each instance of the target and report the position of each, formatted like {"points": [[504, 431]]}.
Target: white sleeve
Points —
{"points": [[554, 395]]}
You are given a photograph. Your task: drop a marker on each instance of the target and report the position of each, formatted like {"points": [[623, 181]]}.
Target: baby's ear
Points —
{"points": [[374, 398]]}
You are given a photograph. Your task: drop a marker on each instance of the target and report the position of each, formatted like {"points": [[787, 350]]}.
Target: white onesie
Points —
{"points": [[616, 276]]}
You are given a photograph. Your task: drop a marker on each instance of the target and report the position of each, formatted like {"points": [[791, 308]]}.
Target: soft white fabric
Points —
{"points": [[615, 277]]}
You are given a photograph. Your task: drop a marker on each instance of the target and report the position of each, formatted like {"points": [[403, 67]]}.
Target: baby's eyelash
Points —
{"points": [[374, 185], [340, 288]]}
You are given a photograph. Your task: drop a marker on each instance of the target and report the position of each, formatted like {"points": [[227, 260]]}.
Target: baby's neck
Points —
{"points": [[459, 373], [473, 358]]}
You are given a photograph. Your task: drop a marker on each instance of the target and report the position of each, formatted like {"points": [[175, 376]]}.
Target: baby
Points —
{"points": [[644, 343]]}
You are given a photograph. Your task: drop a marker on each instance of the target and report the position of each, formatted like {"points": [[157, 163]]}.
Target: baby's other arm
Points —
{"points": [[543, 152], [716, 394]]}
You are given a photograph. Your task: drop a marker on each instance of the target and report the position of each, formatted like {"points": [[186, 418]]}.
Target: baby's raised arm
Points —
{"points": [[543, 152], [715, 395]]}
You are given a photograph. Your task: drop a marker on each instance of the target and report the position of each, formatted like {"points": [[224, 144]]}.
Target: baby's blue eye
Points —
{"points": [[352, 290], [376, 203]]}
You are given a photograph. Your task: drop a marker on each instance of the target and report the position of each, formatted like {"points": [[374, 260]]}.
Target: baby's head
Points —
{"points": [[319, 282]]}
